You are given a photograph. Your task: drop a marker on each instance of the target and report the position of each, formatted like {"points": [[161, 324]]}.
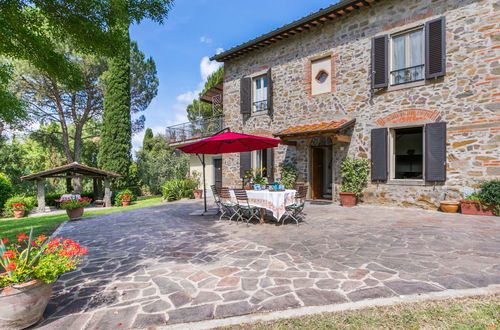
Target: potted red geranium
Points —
{"points": [[28, 268], [126, 199], [74, 207], [18, 209]]}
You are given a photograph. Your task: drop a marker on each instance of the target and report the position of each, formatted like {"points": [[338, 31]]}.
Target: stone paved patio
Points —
{"points": [[157, 265]]}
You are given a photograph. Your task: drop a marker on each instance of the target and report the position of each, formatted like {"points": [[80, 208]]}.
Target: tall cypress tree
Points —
{"points": [[147, 141], [115, 142]]}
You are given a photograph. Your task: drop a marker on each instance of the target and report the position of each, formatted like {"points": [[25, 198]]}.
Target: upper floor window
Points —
{"points": [[407, 60], [260, 93], [416, 54]]}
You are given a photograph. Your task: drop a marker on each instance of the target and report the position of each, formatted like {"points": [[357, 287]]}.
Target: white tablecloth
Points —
{"points": [[274, 201]]}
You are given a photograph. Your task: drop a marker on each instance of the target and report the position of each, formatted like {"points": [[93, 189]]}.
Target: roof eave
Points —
{"points": [[337, 10]]}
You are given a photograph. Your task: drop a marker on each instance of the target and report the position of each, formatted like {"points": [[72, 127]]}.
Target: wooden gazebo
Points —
{"points": [[69, 171]]}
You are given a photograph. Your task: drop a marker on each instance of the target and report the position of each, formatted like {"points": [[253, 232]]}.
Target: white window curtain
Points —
{"points": [[398, 52], [417, 49]]}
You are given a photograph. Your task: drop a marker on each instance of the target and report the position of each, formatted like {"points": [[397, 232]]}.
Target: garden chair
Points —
{"points": [[295, 210], [228, 208], [216, 194], [244, 209]]}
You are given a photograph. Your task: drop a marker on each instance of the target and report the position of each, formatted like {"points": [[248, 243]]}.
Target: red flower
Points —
{"points": [[21, 237], [5, 241], [11, 266], [42, 238], [9, 254]]}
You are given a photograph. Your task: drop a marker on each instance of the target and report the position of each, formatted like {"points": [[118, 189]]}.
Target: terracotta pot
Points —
{"points": [[18, 213], [198, 193], [475, 208], [23, 305], [125, 203], [449, 206], [75, 214], [348, 199]]}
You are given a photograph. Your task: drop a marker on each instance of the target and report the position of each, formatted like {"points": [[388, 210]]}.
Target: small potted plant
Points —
{"points": [[486, 201], [354, 173], [18, 209], [74, 207], [28, 269], [126, 199], [256, 177], [195, 179]]}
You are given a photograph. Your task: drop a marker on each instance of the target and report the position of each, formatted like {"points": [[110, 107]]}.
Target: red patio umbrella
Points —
{"points": [[224, 143]]}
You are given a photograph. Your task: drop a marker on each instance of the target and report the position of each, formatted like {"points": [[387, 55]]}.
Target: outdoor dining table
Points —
{"points": [[274, 201]]}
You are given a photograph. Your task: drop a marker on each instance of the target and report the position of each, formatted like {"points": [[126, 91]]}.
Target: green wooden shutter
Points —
{"points": [[246, 96], [245, 161]]}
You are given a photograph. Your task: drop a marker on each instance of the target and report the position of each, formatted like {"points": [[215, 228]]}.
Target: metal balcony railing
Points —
{"points": [[194, 130], [260, 105], [406, 75]]}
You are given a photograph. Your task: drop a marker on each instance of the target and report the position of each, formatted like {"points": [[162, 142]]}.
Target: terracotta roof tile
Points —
{"points": [[314, 128]]}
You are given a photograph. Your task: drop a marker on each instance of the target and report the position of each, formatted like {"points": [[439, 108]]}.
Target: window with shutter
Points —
{"points": [[435, 48], [379, 154], [435, 152], [380, 62], [246, 96]]}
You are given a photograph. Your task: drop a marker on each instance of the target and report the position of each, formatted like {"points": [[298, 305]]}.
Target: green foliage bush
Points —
{"points": [[30, 204], [50, 198], [488, 195], [176, 189], [6, 189], [354, 173], [289, 174], [118, 197]]}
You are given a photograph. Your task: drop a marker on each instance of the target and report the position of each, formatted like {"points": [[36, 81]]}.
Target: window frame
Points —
{"points": [[390, 56], [262, 77], [392, 159]]}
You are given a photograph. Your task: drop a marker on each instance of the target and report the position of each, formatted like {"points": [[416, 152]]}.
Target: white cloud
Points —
{"points": [[205, 40], [219, 50], [208, 67]]}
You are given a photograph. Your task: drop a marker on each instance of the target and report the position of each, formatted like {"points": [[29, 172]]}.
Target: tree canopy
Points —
{"points": [[199, 109]]}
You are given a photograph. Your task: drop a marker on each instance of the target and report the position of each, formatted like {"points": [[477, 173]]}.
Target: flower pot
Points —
{"points": [[125, 203], [18, 213], [449, 206], [198, 193], [23, 305], [75, 214], [348, 199], [475, 208]]}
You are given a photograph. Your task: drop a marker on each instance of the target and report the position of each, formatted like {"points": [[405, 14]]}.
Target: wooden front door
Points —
{"points": [[218, 172], [317, 172]]}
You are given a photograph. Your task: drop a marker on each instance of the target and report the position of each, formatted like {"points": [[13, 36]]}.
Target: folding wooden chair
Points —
{"points": [[244, 209], [228, 208], [295, 211]]}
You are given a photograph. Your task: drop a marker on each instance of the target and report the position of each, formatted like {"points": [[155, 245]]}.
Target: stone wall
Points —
{"points": [[467, 98]]}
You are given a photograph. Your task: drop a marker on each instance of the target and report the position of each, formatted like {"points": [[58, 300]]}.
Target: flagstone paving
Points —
{"points": [[157, 265]]}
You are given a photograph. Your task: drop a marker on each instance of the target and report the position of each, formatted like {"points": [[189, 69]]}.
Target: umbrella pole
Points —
{"points": [[204, 188]]}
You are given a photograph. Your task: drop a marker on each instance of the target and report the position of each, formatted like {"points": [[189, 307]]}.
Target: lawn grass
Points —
{"points": [[47, 224], [482, 312]]}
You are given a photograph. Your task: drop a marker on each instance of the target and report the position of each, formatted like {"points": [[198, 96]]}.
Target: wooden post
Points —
{"points": [[40, 195], [107, 193]]}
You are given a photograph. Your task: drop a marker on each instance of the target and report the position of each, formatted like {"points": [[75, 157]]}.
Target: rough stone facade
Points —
{"points": [[467, 98]]}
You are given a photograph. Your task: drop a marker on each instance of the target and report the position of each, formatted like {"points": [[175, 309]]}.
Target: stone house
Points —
{"points": [[411, 85]]}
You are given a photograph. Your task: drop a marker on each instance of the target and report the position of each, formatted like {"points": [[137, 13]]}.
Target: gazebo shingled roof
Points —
{"points": [[71, 170]]}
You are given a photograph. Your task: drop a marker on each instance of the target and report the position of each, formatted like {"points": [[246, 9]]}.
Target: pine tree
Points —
{"points": [[147, 140], [115, 142]]}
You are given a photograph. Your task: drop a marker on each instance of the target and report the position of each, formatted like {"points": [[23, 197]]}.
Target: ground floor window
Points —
{"points": [[407, 153], [259, 160]]}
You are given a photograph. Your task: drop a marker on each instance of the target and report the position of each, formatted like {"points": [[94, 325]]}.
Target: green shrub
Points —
{"points": [[490, 192], [176, 189], [6, 190], [88, 194], [289, 174], [29, 201], [354, 173], [50, 198], [118, 196]]}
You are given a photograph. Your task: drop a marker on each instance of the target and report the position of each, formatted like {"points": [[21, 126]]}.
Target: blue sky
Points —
{"points": [[194, 31]]}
